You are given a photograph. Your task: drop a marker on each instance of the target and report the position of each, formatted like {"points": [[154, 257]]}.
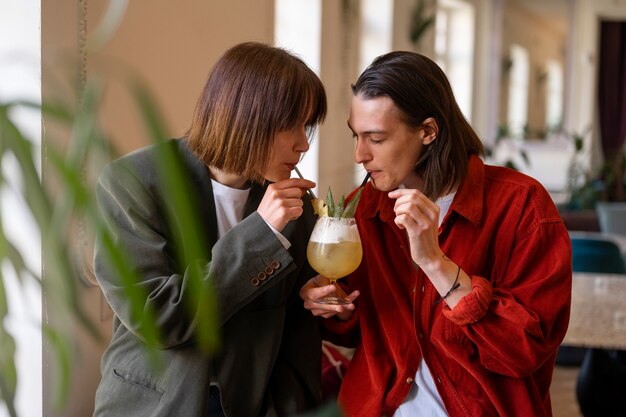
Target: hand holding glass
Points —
{"points": [[334, 251]]}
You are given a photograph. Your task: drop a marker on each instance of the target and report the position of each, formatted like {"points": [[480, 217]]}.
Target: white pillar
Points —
{"points": [[339, 69]]}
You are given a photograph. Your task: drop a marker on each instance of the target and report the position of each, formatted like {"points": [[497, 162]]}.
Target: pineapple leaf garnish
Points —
{"points": [[351, 207], [330, 203], [341, 209]]}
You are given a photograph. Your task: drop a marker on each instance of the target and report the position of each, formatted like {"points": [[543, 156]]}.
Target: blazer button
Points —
{"points": [[261, 276], [269, 270], [409, 380], [275, 265], [255, 281]]}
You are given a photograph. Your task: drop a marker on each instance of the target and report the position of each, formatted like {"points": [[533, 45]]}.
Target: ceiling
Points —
{"points": [[554, 11]]}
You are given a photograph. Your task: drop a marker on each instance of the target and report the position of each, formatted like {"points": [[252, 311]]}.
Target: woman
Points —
{"points": [[465, 282], [248, 132]]}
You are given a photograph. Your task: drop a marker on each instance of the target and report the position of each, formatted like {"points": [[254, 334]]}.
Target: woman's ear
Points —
{"points": [[431, 130]]}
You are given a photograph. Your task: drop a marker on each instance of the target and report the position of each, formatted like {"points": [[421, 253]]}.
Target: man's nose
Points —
{"points": [[361, 154]]}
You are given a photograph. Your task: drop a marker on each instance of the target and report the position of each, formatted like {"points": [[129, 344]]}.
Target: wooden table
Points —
{"points": [[598, 314]]}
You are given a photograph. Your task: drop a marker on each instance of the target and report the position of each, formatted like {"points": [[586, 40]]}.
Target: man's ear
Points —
{"points": [[431, 130]]}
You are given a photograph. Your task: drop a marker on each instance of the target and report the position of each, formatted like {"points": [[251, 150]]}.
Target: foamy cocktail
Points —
{"points": [[334, 250]]}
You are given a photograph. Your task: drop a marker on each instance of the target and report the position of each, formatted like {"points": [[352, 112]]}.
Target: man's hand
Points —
{"points": [[419, 216]]}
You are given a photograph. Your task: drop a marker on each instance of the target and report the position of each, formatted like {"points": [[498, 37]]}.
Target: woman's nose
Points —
{"points": [[302, 142]]}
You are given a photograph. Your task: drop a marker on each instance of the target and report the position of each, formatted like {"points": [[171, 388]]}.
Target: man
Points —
{"points": [[464, 287]]}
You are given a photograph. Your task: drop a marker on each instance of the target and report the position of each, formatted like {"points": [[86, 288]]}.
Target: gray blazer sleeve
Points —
{"points": [[246, 261]]}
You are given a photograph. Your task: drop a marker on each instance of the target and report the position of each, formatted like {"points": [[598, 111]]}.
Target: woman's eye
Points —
{"points": [[376, 141]]}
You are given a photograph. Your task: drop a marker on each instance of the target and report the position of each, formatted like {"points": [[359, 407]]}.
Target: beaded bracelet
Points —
{"points": [[456, 285]]}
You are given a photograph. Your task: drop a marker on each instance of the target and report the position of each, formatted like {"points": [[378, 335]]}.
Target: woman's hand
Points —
{"points": [[320, 287], [282, 202], [419, 216]]}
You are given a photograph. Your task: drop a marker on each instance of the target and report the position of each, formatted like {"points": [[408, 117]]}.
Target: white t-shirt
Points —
{"points": [[230, 204], [423, 399]]}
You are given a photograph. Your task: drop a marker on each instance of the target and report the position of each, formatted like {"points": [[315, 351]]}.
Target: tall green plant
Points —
{"points": [[55, 209], [49, 218], [587, 187]]}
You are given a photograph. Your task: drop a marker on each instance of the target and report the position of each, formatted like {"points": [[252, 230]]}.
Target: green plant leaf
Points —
{"points": [[183, 218], [8, 372], [419, 22], [352, 204], [339, 207], [330, 203]]}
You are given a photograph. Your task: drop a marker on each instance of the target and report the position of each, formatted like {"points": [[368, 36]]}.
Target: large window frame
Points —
{"points": [[454, 48]]}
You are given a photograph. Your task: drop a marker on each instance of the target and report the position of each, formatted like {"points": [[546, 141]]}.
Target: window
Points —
{"points": [[374, 39], [454, 48], [376, 30], [554, 95], [517, 115]]}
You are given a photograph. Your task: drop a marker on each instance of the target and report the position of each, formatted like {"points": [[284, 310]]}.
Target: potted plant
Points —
{"points": [[595, 194]]}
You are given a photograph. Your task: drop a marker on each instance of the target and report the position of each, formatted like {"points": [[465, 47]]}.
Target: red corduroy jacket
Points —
{"points": [[493, 355]]}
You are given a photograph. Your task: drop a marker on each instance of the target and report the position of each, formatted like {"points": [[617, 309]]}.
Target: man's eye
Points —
{"points": [[376, 141]]}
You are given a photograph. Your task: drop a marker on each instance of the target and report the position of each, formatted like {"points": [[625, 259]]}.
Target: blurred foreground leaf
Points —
{"points": [[65, 196]]}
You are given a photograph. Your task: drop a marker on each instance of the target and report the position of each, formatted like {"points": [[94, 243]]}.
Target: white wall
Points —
{"points": [[171, 46]]}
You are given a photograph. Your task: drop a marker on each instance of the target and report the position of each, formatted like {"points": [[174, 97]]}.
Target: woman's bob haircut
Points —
{"points": [[253, 92]]}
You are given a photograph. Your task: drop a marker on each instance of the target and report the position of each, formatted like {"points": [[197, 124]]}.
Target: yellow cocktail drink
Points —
{"points": [[334, 260], [334, 248]]}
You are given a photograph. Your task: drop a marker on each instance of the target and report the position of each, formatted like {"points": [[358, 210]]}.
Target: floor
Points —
{"points": [[563, 392]]}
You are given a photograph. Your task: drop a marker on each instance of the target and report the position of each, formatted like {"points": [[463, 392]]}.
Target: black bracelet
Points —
{"points": [[456, 285]]}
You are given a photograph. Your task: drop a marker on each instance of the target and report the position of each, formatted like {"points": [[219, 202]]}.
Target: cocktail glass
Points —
{"points": [[334, 250]]}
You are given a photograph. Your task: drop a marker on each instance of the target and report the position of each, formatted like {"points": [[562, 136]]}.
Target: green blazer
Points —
{"points": [[269, 359]]}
